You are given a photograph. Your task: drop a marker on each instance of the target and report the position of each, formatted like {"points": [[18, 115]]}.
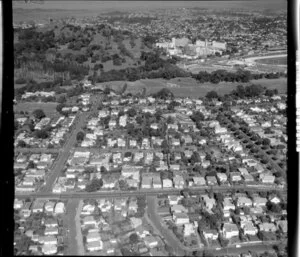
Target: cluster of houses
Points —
{"points": [[107, 232], [60, 126], [49, 237], [248, 224], [32, 171]]}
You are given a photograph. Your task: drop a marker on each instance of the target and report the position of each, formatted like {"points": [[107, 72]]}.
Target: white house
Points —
{"points": [[230, 230]]}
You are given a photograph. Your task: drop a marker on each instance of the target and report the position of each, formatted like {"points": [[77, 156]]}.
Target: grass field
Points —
{"points": [[191, 88], [273, 61], [48, 108]]}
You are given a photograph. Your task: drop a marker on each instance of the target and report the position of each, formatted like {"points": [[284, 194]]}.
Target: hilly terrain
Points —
{"points": [[89, 50]]}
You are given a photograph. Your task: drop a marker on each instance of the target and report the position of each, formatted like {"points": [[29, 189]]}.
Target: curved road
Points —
{"points": [[252, 59]]}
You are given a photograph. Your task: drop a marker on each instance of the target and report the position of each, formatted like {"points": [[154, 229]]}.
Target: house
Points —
{"points": [[209, 202], [145, 143], [178, 181], [51, 223], [282, 224], [48, 240], [141, 231], [175, 142], [154, 126], [268, 179], [18, 204], [211, 234], [89, 220], [132, 206], [267, 227], [244, 201], [150, 241], [248, 178], [211, 180], [132, 183], [188, 229], [178, 208], [94, 246], [156, 182], [228, 205], [259, 201], [146, 182], [274, 199], [92, 237], [230, 230], [173, 199], [135, 222], [205, 164], [49, 249], [199, 181], [51, 231], [235, 176], [38, 206], [222, 177], [249, 229], [59, 208], [87, 209], [167, 183], [181, 218]]}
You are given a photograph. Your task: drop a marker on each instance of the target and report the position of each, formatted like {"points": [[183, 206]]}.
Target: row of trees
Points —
{"points": [[238, 76]]}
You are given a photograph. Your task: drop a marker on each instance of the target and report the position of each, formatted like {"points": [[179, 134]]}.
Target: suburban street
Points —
{"points": [[63, 155], [71, 211], [150, 192], [157, 222]]}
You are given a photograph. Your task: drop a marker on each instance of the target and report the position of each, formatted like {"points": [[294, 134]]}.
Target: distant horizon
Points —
{"points": [[104, 6]]}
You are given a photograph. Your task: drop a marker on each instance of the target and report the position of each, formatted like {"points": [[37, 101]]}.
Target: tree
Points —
{"points": [[38, 114], [163, 94], [165, 147], [80, 136], [131, 112], [103, 169], [62, 99], [95, 185], [41, 134], [133, 238], [21, 143], [211, 95], [266, 141]]}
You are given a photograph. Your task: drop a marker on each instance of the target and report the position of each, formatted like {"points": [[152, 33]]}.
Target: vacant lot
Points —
{"points": [[48, 108]]}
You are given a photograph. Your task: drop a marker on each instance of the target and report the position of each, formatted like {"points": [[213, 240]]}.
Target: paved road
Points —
{"points": [[257, 247], [252, 59], [151, 192], [71, 210], [157, 223], [63, 155]]}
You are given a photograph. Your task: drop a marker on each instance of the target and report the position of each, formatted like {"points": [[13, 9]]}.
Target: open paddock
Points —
{"points": [[48, 108]]}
